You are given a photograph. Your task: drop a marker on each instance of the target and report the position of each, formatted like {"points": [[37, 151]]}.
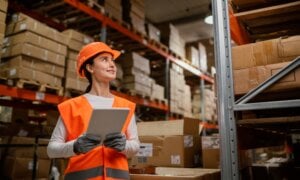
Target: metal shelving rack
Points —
{"points": [[227, 105], [105, 25]]}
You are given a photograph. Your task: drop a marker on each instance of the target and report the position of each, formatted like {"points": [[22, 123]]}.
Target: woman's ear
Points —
{"points": [[89, 68]]}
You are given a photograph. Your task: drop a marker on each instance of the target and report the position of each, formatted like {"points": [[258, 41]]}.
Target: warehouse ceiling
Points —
{"points": [[186, 15]]}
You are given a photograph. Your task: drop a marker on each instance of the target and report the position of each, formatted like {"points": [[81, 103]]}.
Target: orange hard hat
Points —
{"points": [[91, 50]]}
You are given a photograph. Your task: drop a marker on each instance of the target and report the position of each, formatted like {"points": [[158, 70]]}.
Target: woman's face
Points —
{"points": [[103, 68]]}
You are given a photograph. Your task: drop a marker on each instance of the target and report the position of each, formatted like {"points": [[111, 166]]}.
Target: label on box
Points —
{"points": [[188, 141], [12, 72], [22, 26], [175, 159], [30, 165], [210, 142], [146, 150]]}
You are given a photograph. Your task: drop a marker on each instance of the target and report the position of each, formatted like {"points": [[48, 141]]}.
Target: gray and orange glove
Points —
{"points": [[115, 141]]}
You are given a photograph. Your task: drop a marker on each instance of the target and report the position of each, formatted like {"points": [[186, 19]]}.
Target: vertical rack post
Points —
{"points": [[202, 103], [227, 124], [103, 32], [167, 87]]}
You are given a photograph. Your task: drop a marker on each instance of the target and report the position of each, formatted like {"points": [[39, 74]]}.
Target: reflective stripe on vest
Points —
{"points": [[98, 171]]}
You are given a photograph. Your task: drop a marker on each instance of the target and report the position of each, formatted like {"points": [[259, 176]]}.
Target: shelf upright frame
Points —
{"points": [[227, 125]]}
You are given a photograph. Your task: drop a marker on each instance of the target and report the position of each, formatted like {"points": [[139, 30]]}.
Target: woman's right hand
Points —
{"points": [[85, 143]]}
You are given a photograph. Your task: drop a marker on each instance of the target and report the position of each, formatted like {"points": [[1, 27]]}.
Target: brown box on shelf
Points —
{"points": [[247, 79], [3, 5], [2, 28], [2, 17], [138, 88], [33, 51], [72, 55], [211, 151], [29, 74], [169, 151], [75, 45], [73, 34], [20, 168], [34, 39], [137, 61], [31, 63], [265, 52], [140, 78], [28, 152], [153, 32], [22, 22], [76, 84], [168, 128], [167, 173]]}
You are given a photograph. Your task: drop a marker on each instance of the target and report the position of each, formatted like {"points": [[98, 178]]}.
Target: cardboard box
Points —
{"points": [[137, 61], [29, 74], [74, 45], [169, 151], [3, 5], [265, 52], [2, 17], [192, 54], [153, 32], [76, 84], [169, 128], [2, 28], [211, 151], [247, 79], [21, 168], [157, 92], [138, 88], [33, 51], [35, 64], [37, 40], [211, 174], [72, 55], [22, 22], [140, 78], [28, 152], [73, 34]]}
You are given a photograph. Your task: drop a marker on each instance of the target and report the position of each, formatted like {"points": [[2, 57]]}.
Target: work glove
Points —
{"points": [[85, 143], [116, 141]]}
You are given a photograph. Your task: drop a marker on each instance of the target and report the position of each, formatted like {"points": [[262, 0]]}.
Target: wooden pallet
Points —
{"points": [[159, 45], [176, 115], [33, 85], [159, 101]]}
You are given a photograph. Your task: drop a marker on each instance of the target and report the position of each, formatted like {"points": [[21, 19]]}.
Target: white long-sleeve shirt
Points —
{"points": [[59, 148]]}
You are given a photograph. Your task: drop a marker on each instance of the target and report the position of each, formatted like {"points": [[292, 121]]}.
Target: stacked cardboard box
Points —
{"points": [[19, 162], [171, 37], [157, 91], [114, 8], [167, 173], [136, 71], [211, 151], [153, 32], [134, 14], [209, 105], [202, 57], [187, 101], [76, 41], [254, 63], [192, 54], [168, 143], [33, 51], [3, 9], [177, 84]]}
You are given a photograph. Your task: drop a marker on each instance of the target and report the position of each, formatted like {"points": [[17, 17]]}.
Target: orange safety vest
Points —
{"points": [[101, 162]]}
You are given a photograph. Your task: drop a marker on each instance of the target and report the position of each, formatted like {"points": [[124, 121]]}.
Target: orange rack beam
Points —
{"points": [[55, 99], [109, 22], [237, 32], [30, 95]]}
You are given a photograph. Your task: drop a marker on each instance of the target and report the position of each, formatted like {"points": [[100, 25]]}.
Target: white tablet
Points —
{"points": [[104, 121]]}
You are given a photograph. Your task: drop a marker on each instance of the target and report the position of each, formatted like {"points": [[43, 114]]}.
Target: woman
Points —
{"points": [[89, 160]]}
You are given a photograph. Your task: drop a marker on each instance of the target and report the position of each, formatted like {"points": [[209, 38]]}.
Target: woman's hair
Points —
{"points": [[87, 74]]}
